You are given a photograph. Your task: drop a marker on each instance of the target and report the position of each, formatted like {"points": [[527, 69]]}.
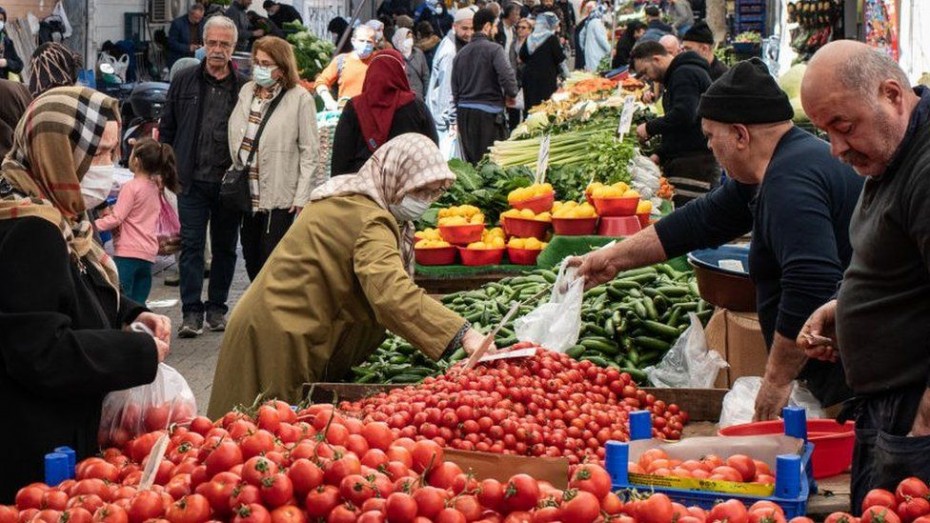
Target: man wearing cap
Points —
{"points": [[282, 14], [683, 153], [700, 39], [793, 196], [439, 93], [482, 81]]}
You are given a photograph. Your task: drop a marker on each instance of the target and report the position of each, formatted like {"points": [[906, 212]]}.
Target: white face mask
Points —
{"points": [[2, 25], [96, 185], [407, 47], [409, 209]]}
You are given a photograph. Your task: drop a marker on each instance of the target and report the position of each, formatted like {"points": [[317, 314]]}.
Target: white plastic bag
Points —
{"points": [[449, 144], [146, 408], [739, 404], [555, 325], [689, 363]]}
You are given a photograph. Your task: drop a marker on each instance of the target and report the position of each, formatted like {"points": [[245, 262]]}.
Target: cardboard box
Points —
{"points": [[502, 466], [737, 336]]}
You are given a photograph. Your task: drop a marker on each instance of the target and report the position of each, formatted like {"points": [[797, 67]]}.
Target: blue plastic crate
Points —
{"points": [[794, 480]]}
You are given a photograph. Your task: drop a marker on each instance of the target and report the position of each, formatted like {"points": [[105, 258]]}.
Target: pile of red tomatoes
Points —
{"points": [[279, 466], [545, 405]]}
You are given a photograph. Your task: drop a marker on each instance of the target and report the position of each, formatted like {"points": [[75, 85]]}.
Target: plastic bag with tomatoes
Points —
{"points": [[146, 408]]}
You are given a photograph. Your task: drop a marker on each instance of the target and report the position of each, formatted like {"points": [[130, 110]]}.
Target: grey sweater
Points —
{"points": [[474, 82]]}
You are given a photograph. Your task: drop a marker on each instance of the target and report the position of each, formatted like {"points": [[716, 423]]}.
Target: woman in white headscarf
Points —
{"points": [[338, 279], [593, 37], [543, 55], [417, 67]]}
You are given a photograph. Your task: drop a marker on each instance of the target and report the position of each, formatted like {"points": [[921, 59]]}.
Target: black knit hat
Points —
{"points": [[699, 32], [746, 94]]}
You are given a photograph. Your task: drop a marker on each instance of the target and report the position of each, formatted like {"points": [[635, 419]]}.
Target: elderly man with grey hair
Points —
{"points": [[196, 115], [879, 323]]}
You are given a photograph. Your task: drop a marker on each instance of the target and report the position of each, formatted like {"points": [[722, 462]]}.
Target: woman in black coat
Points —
{"points": [[387, 108], [542, 55], [62, 343], [10, 62], [634, 30]]}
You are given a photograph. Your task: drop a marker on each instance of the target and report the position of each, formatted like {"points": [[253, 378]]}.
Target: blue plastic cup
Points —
{"points": [[72, 459], [56, 468]]}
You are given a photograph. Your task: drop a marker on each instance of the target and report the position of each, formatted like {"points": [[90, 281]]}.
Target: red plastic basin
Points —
{"points": [[523, 256], [435, 255], [616, 206], [461, 234], [475, 257], [643, 219], [537, 205], [833, 443], [523, 228], [619, 226], [574, 226]]}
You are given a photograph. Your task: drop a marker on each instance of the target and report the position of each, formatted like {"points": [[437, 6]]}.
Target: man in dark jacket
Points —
{"points": [[197, 111], [879, 322], [655, 27], [282, 14], [700, 39], [683, 154], [186, 34], [479, 92], [10, 62], [797, 201], [238, 13]]}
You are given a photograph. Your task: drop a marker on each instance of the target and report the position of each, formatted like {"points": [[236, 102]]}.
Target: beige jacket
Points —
{"points": [[321, 305], [288, 150]]}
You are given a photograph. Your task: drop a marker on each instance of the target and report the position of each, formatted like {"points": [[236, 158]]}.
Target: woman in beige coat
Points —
{"points": [[285, 167], [340, 276]]}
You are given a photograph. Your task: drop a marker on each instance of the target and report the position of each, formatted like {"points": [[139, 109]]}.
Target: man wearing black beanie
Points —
{"points": [[700, 39], [683, 153], [795, 198]]}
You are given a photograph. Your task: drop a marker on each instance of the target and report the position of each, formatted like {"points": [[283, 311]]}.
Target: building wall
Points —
{"points": [[20, 8], [106, 19]]}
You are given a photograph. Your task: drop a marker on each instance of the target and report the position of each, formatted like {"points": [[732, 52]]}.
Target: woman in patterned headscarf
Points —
{"points": [[52, 65], [62, 343], [340, 276]]}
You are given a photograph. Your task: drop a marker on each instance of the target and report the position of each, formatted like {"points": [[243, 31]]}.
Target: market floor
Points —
{"points": [[194, 358]]}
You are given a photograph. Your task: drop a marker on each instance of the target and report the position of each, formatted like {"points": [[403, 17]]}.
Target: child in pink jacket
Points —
{"points": [[136, 214]]}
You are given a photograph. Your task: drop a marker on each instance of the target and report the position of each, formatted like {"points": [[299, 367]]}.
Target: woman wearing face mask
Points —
{"points": [[417, 68], [386, 108], [284, 165], [543, 55], [62, 316], [347, 71], [339, 278]]}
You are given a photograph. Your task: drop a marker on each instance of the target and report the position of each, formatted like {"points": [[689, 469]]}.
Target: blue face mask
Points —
{"points": [[262, 75], [200, 53], [363, 49]]}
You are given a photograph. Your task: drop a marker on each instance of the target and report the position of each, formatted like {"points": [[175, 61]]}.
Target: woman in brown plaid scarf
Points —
{"points": [[62, 343]]}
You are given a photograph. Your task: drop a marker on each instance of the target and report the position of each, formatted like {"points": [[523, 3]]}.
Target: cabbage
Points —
{"points": [[790, 82]]}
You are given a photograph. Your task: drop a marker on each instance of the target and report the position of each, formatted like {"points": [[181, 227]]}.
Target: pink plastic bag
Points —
{"points": [[168, 228]]}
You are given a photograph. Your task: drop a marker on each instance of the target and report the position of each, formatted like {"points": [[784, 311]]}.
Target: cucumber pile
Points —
{"points": [[628, 323]]}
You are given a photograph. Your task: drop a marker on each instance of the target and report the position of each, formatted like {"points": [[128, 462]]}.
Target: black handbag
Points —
{"points": [[235, 193]]}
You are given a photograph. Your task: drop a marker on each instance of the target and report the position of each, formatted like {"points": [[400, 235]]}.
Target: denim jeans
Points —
{"points": [[135, 277], [198, 206]]}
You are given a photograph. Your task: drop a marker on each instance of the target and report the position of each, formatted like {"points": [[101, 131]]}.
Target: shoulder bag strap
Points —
{"points": [[261, 127]]}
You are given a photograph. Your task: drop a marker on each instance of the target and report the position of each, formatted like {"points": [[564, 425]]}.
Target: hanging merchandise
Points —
{"points": [[818, 22], [881, 26]]}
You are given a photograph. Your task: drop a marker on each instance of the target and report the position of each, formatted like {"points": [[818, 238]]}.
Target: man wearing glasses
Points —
{"points": [[197, 111]]}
